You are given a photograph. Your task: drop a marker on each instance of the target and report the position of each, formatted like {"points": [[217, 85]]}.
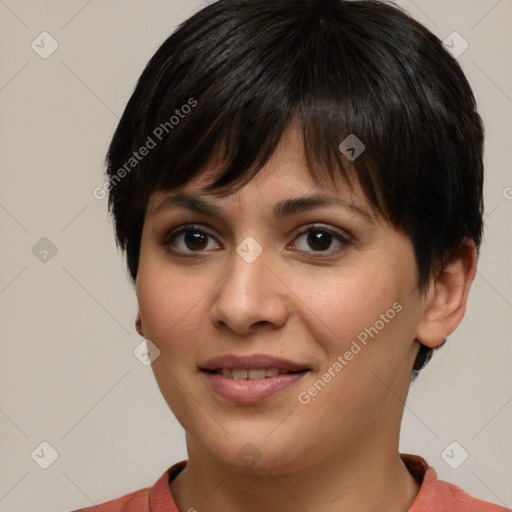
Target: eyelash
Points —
{"points": [[343, 240]]}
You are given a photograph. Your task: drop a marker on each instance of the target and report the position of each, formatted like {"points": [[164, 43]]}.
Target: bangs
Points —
{"points": [[247, 97]]}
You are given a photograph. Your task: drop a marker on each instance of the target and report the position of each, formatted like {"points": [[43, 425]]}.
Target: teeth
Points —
{"points": [[239, 374], [256, 374], [243, 374]]}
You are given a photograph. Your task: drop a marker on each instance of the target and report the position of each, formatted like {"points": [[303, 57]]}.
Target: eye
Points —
{"points": [[187, 239], [319, 239]]}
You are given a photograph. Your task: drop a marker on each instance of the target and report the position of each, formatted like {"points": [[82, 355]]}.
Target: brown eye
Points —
{"points": [[190, 239], [319, 240], [195, 240]]}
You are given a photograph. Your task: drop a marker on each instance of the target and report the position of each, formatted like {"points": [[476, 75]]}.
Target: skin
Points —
{"points": [[340, 450]]}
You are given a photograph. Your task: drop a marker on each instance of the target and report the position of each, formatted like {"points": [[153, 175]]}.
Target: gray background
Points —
{"points": [[68, 375]]}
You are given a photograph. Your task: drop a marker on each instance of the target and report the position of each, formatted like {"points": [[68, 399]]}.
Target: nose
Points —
{"points": [[250, 295]]}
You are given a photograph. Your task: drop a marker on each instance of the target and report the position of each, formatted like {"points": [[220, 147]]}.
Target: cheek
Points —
{"points": [[364, 321], [340, 308], [171, 316], [169, 304]]}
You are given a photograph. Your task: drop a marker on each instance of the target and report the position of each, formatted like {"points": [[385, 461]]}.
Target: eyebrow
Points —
{"points": [[285, 208]]}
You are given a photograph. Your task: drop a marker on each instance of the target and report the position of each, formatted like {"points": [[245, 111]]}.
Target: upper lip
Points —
{"points": [[251, 362]]}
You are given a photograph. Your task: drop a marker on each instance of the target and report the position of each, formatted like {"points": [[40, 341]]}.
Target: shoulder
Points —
{"points": [[152, 499], [137, 501], [442, 496]]}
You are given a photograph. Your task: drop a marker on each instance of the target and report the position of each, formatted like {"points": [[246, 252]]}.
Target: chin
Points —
{"points": [[261, 454]]}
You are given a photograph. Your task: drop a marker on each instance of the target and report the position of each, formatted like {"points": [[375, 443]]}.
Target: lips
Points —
{"points": [[249, 379]]}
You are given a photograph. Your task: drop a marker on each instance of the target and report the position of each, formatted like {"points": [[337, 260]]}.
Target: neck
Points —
{"points": [[356, 482]]}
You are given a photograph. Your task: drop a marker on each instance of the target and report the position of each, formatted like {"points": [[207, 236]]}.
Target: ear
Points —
{"points": [[445, 302], [138, 325]]}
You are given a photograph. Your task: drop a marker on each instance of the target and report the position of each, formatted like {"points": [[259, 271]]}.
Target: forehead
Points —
{"points": [[286, 173]]}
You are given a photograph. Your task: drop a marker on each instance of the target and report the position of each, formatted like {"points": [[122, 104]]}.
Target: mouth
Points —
{"points": [[251, 374], [250, 379]]}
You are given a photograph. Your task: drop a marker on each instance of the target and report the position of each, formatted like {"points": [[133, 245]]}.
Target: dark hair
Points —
{"points": [[233, 77]]}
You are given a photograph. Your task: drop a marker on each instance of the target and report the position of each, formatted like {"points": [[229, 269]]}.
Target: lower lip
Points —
{"points": [[251, 391]]}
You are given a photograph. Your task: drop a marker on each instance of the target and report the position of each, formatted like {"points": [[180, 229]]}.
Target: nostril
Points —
{"points": [[260, 323]]}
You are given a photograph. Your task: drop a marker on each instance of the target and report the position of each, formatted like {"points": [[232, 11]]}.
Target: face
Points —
{"points": [[285, 315]]}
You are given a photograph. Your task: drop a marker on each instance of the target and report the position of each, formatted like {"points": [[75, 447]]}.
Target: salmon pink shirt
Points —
{"points": [[434, 495]]}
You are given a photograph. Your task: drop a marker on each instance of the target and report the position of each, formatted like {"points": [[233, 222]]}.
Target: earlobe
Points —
{"points": [[446, 299], [138, 325]]}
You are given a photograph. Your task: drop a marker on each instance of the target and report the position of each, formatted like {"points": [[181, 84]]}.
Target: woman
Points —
{"points": [[297, 186]]}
